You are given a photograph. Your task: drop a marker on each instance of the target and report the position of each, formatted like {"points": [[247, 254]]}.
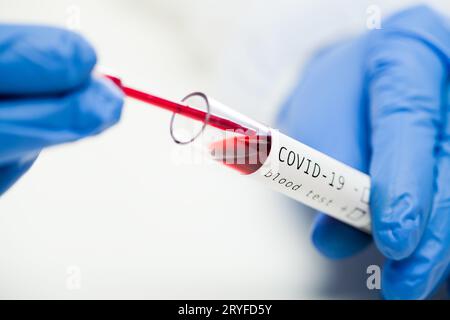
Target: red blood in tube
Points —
{"points": [[245, 154]]}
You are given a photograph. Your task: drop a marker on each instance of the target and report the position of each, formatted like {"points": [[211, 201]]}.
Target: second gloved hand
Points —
{"points": [[380, 104], [48, 95]]}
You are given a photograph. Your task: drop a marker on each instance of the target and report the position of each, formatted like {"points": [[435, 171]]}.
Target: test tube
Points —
{"points": [[267, 156], [284, 164]]}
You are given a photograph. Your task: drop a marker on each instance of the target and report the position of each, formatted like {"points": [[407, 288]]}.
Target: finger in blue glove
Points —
{"points": [[48, 95]]}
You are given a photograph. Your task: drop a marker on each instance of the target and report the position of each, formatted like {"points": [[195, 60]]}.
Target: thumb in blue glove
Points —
{"points": [[48, 95], [382, 99]]}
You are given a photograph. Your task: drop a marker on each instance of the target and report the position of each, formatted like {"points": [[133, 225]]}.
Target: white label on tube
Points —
{"points": [[317, 180]]}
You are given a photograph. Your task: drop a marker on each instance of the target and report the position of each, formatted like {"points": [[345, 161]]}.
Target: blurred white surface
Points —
{"points": [[117, 216]]}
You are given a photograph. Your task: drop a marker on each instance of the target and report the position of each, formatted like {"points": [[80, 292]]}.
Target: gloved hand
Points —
{"points": [[48, 95], [380, 104]]}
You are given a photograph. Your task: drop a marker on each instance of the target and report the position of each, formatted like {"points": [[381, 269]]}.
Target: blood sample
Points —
{"points": [[272, 158], [245, 154], [178, 108]]}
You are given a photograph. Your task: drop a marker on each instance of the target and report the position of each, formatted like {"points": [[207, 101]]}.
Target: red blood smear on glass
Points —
{"points": [[245, 154]]}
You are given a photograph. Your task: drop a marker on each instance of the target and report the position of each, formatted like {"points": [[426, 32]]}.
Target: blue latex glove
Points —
{"points": [[47, 95], [380, 104]]}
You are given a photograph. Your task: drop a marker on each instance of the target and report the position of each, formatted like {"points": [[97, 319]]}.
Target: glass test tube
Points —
{"points": [[284, 164]]}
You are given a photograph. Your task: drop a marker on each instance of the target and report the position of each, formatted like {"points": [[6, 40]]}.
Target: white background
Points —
{"points": [[117, 216]]}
